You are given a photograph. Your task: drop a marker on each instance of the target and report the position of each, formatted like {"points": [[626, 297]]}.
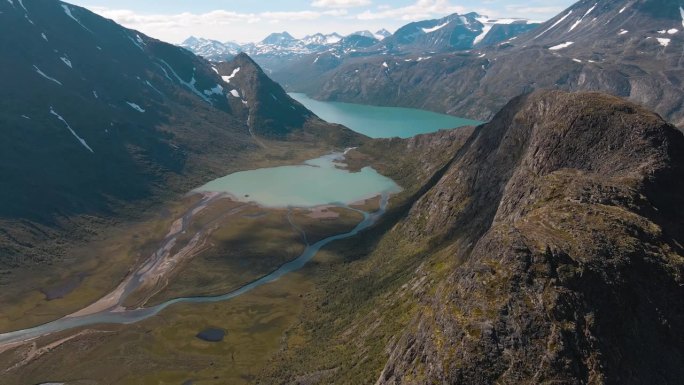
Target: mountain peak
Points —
{"points": [[278, 38]]}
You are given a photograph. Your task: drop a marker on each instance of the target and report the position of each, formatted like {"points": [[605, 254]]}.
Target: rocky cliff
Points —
{"points": [[547, 251]]}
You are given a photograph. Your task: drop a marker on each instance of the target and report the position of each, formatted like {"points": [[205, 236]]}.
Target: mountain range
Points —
{"points": [[630, 49], [454, 32]]}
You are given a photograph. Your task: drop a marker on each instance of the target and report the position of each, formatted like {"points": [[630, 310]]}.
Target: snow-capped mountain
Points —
{"points": [[379, 35], [212, 49], [320, 39], [281, 48], [456, 32]]}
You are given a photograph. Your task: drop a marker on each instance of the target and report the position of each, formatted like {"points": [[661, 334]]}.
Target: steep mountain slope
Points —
{"points": [[96, 117], [630, 48], [268, 110], [548, 250]]}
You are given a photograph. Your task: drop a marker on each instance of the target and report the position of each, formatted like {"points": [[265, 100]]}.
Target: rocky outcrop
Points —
{"points": [[570, 213]]}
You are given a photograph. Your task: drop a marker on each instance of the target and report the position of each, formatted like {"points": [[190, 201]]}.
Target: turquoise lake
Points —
{"points": [[382, 122], [320, 181]]}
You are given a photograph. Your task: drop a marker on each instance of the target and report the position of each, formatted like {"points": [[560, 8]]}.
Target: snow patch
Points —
{"points": [[81, 140], [561, 46], [66, 61], [135, 107], [215, 70], [147, 82], [316, 59], [623, 9], [41, 73], [67, 10], [623, 31], [663, 41], [235, 93], [672, 31], [232, 75], [384, 64], [433, 29], [218, 90], [555, 24], [582, 18], [44, 37], [190, 85], [95, 95], [681, 12], [26, 117]]}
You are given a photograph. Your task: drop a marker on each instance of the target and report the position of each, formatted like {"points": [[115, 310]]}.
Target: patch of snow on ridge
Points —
{"points": [[228, 78], [66, 61], [235, 93], [623, 31], [135, 107], [433, 29], [664, 42], [81, 140], [561, 46], [681, 12], [44, 36], [190, 85], [672, 31], [384, 64], [218, 90], [21, 2], [67, 10], [582, 18], [623, 9], [555, 24], [41, 73]]}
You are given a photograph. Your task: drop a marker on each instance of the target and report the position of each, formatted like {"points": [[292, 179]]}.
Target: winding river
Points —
{"points": [[109, 309]]}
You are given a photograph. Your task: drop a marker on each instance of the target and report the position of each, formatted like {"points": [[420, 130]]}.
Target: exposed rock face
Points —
{"points": [[572, 210]]}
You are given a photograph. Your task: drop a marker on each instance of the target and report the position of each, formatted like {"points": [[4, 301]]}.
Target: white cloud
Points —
{"points": [[340, 3], [421, 9]]}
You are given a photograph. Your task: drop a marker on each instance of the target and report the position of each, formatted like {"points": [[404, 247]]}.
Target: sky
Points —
{"points": [[252, 20]]}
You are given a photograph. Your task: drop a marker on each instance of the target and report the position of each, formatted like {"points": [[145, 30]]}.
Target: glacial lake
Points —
{"points": [[382, 122], [319, 181]]}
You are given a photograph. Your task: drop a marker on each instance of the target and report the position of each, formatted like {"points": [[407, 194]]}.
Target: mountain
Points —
{"points": [[97, 119], [382, 33], [414, 41], [379, 35], [456, 32], [321, 40], [546, 248], [211, 49], [271, 113], [626, 48], [282, 39]]}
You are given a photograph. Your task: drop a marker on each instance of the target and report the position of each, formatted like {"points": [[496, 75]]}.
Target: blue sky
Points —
{"points": [[244, 21]]}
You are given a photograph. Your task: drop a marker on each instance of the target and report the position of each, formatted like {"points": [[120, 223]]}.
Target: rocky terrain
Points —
{"points": [[549, 250], [629, 48]]}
